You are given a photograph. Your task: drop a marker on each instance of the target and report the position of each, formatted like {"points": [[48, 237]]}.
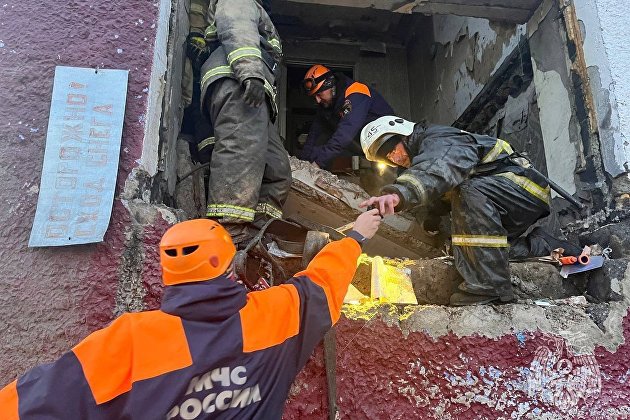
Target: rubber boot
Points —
{"points": [[465, 299]]}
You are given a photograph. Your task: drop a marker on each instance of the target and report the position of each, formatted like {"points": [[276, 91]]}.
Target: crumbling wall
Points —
{"points": [[428, 361], [462, 56], [565, 100], [53, 297], [506, 361]]}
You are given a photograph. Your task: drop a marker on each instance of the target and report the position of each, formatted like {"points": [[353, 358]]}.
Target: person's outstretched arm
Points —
{"points": [[304, 308]]}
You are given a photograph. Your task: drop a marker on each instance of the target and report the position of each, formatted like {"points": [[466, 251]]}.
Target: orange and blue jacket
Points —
{"points": [[343, 122], [211, 351]]}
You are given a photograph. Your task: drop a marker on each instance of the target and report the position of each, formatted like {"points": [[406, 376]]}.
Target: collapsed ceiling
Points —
{"points": [[513, 11], [313, 21]]}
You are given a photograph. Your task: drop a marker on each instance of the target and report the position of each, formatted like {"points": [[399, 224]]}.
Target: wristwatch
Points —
{"points": [[357, 237]]}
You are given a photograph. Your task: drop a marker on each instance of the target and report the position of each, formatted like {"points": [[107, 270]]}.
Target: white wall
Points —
{"points": [[606, 32], [149, 160]]}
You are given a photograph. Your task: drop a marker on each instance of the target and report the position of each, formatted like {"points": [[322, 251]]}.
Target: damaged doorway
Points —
{"points": [[470, 72], [442, 68]]}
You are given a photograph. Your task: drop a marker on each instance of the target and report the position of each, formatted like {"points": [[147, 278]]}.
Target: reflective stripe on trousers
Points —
{"points": [[269, 210], [228, 210], [480, 240]]}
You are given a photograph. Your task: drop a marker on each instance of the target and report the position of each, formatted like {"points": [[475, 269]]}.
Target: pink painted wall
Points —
{"points": [[51, 298], [384, 375]]}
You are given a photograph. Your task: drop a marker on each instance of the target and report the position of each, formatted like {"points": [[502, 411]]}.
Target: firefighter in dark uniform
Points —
{"points": [[250, 175], [213, 351], [345, 106], [200, 134], [494, 199]]}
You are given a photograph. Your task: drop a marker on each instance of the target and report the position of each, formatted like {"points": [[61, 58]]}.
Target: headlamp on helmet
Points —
{"points": [[380, 137], [317, 79]]}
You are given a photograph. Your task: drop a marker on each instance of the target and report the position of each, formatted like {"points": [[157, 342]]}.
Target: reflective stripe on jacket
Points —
{"points": [[212, 351], [250, 45], [444, 157]]}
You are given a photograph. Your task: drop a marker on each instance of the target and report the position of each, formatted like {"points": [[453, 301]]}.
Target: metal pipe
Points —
{"points": [[557, 188]]}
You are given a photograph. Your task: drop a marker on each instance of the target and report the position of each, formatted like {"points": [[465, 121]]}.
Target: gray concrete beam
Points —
{"points": [[321, 199], [508, 11]]}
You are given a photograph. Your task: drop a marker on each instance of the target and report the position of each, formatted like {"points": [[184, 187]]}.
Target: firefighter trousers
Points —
{"points": [[488, 214], [250, 174]]}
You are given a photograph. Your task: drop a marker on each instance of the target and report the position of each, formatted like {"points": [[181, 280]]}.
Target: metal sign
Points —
{"points": [[81, 158]]}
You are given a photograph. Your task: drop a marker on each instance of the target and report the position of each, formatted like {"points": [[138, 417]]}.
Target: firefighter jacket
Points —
{"points": [[197, 25], [444, 157], [249, 46], [351, 111], [213, 351]]}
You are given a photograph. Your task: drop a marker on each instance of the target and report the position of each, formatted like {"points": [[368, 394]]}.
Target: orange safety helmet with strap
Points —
{"points": [[195, 250], [317, 79]]}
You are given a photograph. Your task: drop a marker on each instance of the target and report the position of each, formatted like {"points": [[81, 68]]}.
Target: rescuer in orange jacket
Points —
{"points": [[212, 350]]}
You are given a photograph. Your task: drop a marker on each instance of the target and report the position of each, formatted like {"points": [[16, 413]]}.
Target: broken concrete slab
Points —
{"points": [[605, 285], [614, 235], [577, 324], [434, 281], [322, 198], [534, 280]]}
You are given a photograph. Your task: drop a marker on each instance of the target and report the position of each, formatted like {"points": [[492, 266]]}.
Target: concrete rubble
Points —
{"points": [[324, 198], [591, 302], [586, 308], [325, 201], [321, 197]]}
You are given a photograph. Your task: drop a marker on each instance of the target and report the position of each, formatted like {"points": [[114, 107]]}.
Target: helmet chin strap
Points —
{"points": [[333, 91]]}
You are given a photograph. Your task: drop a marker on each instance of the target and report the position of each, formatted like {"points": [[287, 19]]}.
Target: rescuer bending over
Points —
{"points": [[494, 198], [344, 107]]}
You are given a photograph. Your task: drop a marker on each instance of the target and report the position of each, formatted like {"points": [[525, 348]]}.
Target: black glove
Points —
{"points": [[254, 92]]}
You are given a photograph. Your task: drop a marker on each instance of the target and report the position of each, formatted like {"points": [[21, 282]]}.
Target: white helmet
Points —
{"points": [[376, 133]]}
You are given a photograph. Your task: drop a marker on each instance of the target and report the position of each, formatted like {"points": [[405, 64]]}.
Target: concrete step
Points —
{"points": [[434, 280]]}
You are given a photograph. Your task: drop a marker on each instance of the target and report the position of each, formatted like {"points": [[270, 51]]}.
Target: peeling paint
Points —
{"points": [[505, 361], [570, 322], [468, 52]]}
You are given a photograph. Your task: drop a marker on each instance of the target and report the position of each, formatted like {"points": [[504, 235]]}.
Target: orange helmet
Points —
{"points": [[195, 250], [317, 79]]}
